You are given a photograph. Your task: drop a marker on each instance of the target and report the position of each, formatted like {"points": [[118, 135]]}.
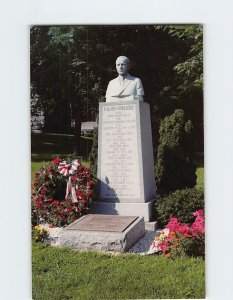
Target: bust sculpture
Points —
{"points": [[125, 87]]}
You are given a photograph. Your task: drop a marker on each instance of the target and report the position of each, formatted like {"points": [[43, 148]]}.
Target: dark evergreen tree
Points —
{"points": [[94, 152], [175, 168]]}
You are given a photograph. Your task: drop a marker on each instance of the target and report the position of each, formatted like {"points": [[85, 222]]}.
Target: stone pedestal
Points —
{"points": [[101, 232], [125, 160]]}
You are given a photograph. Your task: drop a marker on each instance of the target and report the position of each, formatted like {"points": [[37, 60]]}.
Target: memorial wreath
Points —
{"points": [[62, 191]]}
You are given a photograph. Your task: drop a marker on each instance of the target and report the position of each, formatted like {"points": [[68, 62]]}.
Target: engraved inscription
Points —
{"points": [[119, 152], [102, 223]]}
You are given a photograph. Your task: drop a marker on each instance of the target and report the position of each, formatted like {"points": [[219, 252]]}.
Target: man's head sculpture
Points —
{"points": [[122, 65], [125, 87]]}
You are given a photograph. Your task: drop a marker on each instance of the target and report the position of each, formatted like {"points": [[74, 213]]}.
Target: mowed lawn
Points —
{"points": [[62, 274], [47, 146]]}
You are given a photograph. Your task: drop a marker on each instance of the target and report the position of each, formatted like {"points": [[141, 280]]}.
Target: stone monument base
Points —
{"points": [[126, 209], [103, 233]]}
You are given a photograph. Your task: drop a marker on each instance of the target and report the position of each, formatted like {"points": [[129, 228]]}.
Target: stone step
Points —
{"points": [[102, 233]]}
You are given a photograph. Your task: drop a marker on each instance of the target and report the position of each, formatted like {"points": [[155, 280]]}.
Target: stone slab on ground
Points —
{"points": [[102, 240]]}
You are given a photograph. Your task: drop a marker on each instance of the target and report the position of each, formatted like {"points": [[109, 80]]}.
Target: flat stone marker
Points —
{"points": [[102, 223], [103, 233]]}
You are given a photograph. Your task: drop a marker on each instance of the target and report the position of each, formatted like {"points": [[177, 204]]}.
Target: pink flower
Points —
{"points": [[170, 238], [56, 202], [173, 224], [183, 229], [156, 246], [199, 213], [163, 246]]}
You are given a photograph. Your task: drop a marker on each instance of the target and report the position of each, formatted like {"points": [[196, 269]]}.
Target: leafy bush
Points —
{"points": [[62, 191], [93, 157], [180, 204], [175, 168]]}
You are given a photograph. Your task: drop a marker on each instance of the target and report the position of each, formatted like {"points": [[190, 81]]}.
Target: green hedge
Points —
{"points": [[180, 204], [175, 168]]}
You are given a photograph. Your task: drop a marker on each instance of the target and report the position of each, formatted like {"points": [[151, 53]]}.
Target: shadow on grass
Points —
{"points": [[45, 146]]}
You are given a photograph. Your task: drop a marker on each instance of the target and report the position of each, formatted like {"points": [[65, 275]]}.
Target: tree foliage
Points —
{"points": [[175, 167], [72, 65]]}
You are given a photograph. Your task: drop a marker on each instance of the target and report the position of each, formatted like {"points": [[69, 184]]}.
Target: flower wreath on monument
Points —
{"points": [[62, 191]]}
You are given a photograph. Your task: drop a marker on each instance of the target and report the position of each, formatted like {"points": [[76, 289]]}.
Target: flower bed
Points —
{"points": [[39, 234], [182, 239], [62, 191]]}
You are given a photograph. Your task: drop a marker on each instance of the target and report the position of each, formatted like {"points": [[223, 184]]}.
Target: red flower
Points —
{"points": [[35, 184], [90, 195], [57, 160], [90, 185], [81, 196], [85, 169], [38, 204], [69, 208], [43, 191], [49, 200], [73, 179], [56, 202], [39, 198], [36, 175]]}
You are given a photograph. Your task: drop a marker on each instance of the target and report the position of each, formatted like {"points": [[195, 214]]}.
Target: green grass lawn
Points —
{"points": [[46, 146], [200, 178], [62, 274]]}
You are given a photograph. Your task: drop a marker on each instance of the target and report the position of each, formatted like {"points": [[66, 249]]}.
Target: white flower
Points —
{"points": [[166, 231]]}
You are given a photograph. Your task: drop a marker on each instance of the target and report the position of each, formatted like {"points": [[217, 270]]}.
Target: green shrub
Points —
{"points": [[93, 157], [175, 168], [180, 204]]}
